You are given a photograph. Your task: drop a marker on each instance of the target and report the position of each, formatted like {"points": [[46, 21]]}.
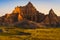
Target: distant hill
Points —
{"points": [[29, 12]]}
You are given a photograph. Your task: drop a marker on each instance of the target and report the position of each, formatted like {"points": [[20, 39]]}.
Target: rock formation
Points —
{"points": [[51, 19], [29, 12]]}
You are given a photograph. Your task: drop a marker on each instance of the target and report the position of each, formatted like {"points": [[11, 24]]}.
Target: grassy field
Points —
{"points": [[30, 34]]}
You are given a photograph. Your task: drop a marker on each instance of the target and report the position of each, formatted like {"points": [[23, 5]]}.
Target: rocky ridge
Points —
{"points": [[29, 12]]}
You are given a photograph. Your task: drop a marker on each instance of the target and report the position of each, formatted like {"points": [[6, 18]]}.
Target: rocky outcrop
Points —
{"points": [[18, 13], [51, 19], [29, 12]]}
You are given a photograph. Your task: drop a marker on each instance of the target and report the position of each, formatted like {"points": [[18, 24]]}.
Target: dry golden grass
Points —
{"points": [[36, 34]]}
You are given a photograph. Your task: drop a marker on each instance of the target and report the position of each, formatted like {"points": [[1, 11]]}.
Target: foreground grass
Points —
{"points": [[36, 34]]}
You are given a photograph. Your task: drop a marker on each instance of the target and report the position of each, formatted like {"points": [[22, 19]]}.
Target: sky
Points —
{"points": [[7, 6]]}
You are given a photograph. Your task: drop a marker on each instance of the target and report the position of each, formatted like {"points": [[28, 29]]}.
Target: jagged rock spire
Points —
{"points": [[29, 4], [51, 13], [51, 19]]}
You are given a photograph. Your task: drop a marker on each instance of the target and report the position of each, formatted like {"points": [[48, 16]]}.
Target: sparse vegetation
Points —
{"points": [[30, 34]]}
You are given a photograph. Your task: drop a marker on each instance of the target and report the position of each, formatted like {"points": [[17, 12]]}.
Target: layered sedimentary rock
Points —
{"points": [[51, 19], [29, 12], [18, 12]]}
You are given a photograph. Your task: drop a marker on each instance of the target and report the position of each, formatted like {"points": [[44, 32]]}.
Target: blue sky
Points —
{"points": [[7, 6]]}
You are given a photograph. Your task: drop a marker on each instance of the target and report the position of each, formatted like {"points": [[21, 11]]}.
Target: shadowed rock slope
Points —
{"points": [[51, 19]]}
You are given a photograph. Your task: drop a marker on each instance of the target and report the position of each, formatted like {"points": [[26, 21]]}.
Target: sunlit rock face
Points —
{"points": [[20, 18], [18, 11]]}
